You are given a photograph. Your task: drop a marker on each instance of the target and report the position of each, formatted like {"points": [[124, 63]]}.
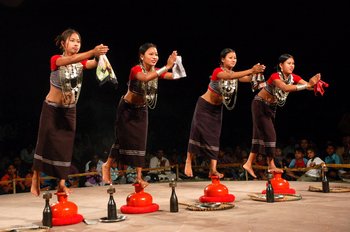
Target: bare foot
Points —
{"points": [[275, 169], [64, 189], [188, 169], [216, 173], [249, 169], [35, 186], [143, 183], [106, 173]]}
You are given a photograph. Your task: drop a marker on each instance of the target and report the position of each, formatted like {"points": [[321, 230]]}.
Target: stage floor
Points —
{"points": [[316, 211]]}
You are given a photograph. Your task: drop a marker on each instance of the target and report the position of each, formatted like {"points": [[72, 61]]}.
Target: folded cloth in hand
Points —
{"points": [[178, 69], [104, 71], [318, 87]]}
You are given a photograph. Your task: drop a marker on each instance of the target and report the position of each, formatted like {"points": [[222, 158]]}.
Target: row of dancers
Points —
{"points": [[57, 125]]}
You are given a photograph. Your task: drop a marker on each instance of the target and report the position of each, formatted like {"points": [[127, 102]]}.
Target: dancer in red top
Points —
{"points": [[264, 105], [207, 119], [131, 126], [54, 147]]}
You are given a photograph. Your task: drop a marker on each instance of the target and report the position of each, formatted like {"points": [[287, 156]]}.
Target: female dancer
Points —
{"points": [[264, 105], [207, 118], [132, 113], [54, 147]]}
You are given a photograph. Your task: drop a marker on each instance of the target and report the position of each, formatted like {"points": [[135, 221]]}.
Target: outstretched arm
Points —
{"points": [[157, 73], [302, 85], [244, 76], [75, 58]]}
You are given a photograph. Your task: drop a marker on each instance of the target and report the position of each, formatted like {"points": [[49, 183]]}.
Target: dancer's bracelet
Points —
{"points": [[301, 87], [161, 70]]}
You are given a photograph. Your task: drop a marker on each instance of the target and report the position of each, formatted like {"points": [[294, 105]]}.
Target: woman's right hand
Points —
{"points": [[313, 80], [171, 60], [258, 68], [100, 50]]}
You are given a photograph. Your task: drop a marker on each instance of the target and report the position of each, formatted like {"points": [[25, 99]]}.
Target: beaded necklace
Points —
{"points": [[71, 77], [228, 87], [279, 93], [151, 89]]}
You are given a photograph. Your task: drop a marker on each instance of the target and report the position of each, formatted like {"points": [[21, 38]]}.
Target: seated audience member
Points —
{"points": [[332, 158], [158, 161], [315, 173], [10, 175], [94, 179], [298, 162], [96, 159]]}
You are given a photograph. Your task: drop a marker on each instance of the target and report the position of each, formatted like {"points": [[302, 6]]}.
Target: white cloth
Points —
{"points": [[178, 69], [314, 172], [104, 71]]}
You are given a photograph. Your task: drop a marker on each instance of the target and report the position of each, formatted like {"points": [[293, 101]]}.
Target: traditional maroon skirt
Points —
{"points": [[264, 134], [54, 147], [131, 134], [206, 129]]}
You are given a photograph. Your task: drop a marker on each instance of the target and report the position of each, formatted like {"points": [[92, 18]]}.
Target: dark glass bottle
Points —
{"points": [[112, 207], [270, 196], [174, 205], [47, 212], [325, 182]]}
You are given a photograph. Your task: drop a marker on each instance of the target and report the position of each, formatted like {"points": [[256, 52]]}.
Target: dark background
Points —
{"points": [[315, 33]]}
